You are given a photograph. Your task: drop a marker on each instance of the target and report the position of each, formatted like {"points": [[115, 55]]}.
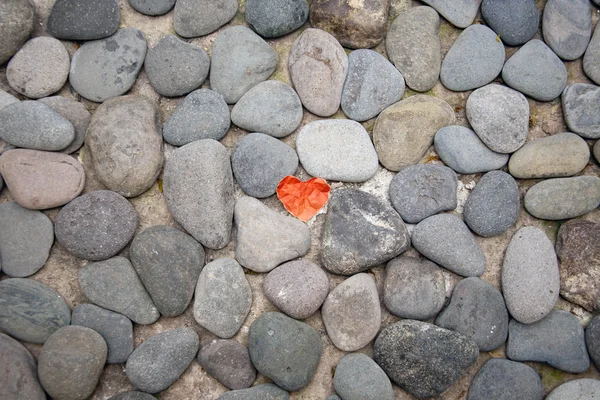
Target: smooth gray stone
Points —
{"points": [[580, 389], [271, 107], [563, 198], [461, 149], [285, 350], [203, 114], [133, 396], [240, 60], [592, 339], [591, 59], [476, 310], [106, 68], [229, 362], [116, 330], [83, 19], [34, 125], [266, 391], [15, 27], [259, 162], [493, 205], [223, 297], [175, 67], [198, 188], [152, 7], [567, 27], [273, 18], [334, 397], [530, 277], [71, 362], [26, 237], [358, 377], [435, 357], [30, 310], [502, 379], [460, 13], [360, 231], [18, 379], [7, 99], [193, 18], [76, 113], [536, 71], [580, 109], [447, 241], [169, 263], [422, 190], [159, 361], [499, 116], [372, 85], [475, 59], [113, 284], [558, 340], [597, 150], [516, 21]]}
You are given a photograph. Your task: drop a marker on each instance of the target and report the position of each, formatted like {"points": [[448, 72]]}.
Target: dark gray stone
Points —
{"points": [[285, 350], [266, 391], [592, 339], [31, 311], [133, 396], [502, 379], [273, 18], [83, 19], [580, 389], [358, 377], [15, 27], [18, 379], [152, 7], [516, 21], [460, 13], [591, 59], [229, 362], [194, 18], [74, 112], [580, 109], [159, 361], [567, 27]]}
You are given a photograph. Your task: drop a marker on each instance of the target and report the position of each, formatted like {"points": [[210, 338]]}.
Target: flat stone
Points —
{"points": [[229, 362], [461, 149], [493, 205], [274, 18], [567, 27], [115, 329], [271, 107], [113, 284], [266, 391], [318, 66], [356, 25], [193, 18], [578, 249], [460, 13], [421, 358], [259, 162], [351, 313], [447, 241], [506, 380], [536, 71], [414, 288], [152, 7], [30, 310], [198, 187], [592, 339], [404, 131], [203, 114], [563, 198], [474, 60], [15, 27], [500, 117], [360, 231], [83, 19], [530, 278], [413, 45], [285, 350], [18, 380], [175, 67], [358, 377], [107, 68], [580, 389], [26, 237], [580, 109], [337, 150], [422, 190], [169, 353], [591, 59], [74, 112], [223, 297], [169, 263], [135, 395], [71, 362], [265, 238], [39, 68], [558, 340], [298, 288], [516, 21], [372, 85]]}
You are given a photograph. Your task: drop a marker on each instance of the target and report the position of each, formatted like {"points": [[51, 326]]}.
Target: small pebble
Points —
{"points": [[152, 7], [15, 27], [502, 379], [76, 113], [358, 377], [229, 362], [193, 18], [19, 372], [580, 109], [266, 391], [460, 13], [83, 20], [567, 27], [580, 389], [274, 18], [516, 21]]}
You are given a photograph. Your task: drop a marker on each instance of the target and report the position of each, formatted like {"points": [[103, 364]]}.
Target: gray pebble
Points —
{"points": [[592, 339], [460, 13], [83, 20], [229, 362], [6, 99], [358, 377], [516, 21], [18, 380], [580, 109], [135, 395], [266, 391], [502, 379], [580, 389], [567, 27], [334, 397], [15, 27], [597, 150], [591, 59], [152, 7], [274, 18], [194, 18], [74, 112]]}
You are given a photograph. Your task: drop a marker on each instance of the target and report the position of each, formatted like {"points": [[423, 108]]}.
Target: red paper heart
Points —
{"points": [[303, 199]]}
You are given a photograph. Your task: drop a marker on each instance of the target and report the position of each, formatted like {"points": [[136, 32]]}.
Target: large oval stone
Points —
{"points": [[18, 380], [516, 21], [273, 18], [358, 377], [460, 13], [503, 379], [83, 20], [229, 362], [580, 109], [192, 18], [583, 389], [16, 26], [265, 391], [567, 27]]}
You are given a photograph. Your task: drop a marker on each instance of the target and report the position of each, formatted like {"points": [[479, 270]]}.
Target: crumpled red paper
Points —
{"points": [[303, 199]]}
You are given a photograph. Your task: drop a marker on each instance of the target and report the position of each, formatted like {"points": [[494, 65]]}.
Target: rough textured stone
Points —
{"points": [[502, 379], [83, 19], [516, 21], [266, 391], [404, 131], [74, 112], [421, 358], [530, 278], [15, 27], [273, 18], [169, 263], [229, 362], [580, 389], [18, 380], [265, 238], [194, 18], [358, 377], [580, 109], [152, 7], [591, 59], [567, 27], [318, 67], [592, 339]]}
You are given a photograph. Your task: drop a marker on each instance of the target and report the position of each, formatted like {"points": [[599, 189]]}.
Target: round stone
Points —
{"points": [[592, 339], [516, 21], [358, 377], [460, 13], [273, 18], [229, 362], [15, 27], [76, 113], [502, 379], [18, 380], [193, 18], [591, 59], [580, 389], [83, 20], [152, 7], [579, 104], [567, 27]]}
